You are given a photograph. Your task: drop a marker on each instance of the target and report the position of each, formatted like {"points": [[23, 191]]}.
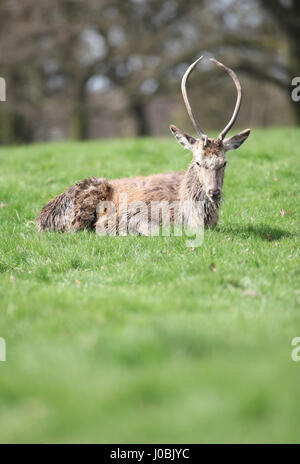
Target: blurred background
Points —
{"points": [[85, 69]]}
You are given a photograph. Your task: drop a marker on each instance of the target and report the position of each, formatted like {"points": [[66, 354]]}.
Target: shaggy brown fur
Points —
{"points": [[148, 189], [75, 208]]}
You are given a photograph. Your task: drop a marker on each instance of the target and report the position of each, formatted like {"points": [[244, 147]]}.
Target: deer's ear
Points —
{"points": [[187, 141], [234, 142]]}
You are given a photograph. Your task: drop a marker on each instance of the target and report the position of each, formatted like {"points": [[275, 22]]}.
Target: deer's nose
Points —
{"points": [[214, 193]]}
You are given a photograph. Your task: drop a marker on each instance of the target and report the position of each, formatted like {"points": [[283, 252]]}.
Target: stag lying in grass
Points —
{"points": [[79, 207]]}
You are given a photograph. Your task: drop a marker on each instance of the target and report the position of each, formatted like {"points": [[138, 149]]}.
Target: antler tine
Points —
{"points": [[238, 100], [186, 100]]}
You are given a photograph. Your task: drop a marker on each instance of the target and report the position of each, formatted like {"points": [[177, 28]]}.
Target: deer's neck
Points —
{"points": [[192, 190]]}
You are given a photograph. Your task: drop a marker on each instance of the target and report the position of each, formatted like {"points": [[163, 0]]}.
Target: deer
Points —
{"points": [[79, 207]]}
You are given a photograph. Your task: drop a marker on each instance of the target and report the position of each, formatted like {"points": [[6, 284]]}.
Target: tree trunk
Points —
{"points": [[79, 123], [80, 117], [296, 109], [6, 131], [139, 112], [22, 129]]}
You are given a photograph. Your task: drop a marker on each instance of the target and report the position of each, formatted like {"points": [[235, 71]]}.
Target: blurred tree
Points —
{"points": [[132, 46], [29, 30], [287, 15], [54, 56]]}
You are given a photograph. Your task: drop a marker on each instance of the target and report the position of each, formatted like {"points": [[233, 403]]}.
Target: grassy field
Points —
{"points": [[135, 339]]}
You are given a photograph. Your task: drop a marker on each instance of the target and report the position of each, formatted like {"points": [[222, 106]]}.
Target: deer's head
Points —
{"points": [[209, 159]]}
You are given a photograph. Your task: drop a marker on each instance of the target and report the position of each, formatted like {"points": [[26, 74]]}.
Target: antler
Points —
{"points": [[188, 106], [186, 100], [238, 100]]}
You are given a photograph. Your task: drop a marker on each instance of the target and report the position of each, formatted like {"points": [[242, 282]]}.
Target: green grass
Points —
{"points": [[152, 346]]}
